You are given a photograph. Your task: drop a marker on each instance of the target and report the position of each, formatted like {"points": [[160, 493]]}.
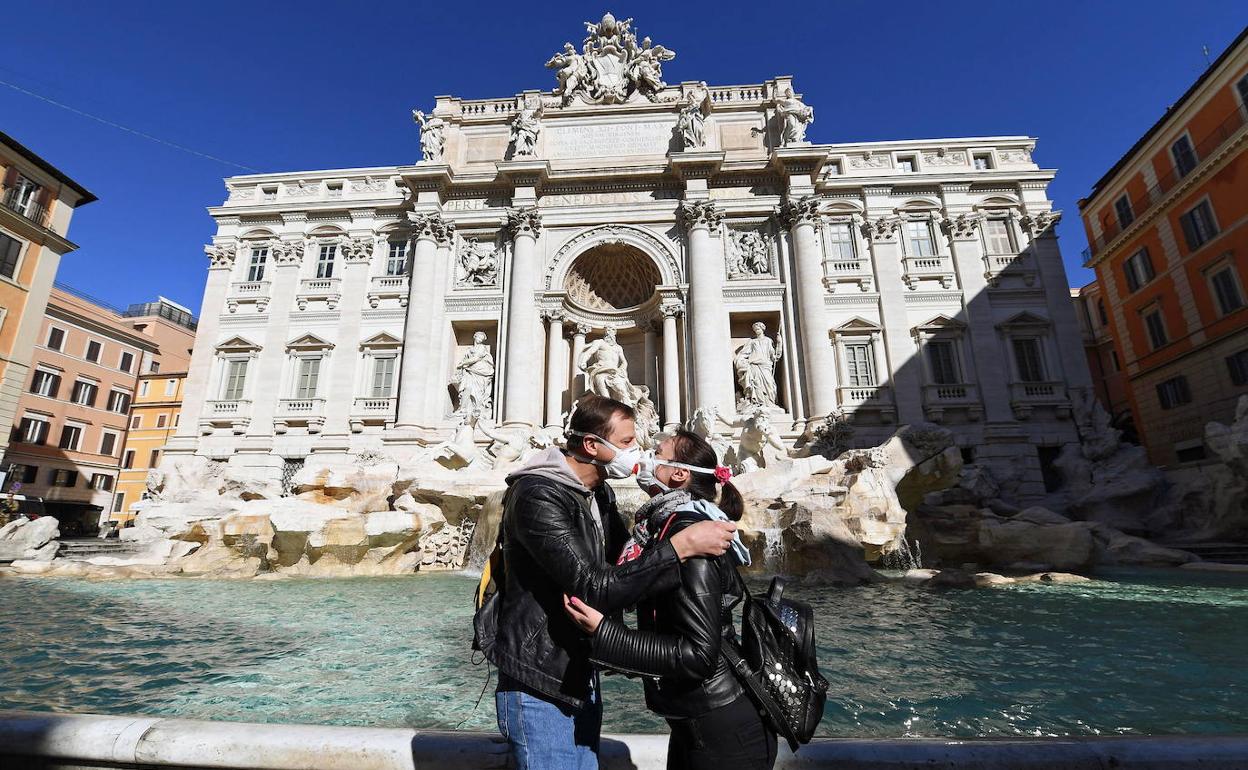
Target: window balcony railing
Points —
{"points": [[30, 208], [227, 408], [963, 396], [387, 287], [1025, 396], [857, 271], [1140, 206], [234, 414], [248, 292], [938, 267], [372, 411], [306, 411], [867, 395], [325, 289]]}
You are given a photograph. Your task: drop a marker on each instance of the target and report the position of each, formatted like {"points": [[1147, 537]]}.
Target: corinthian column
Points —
{"points": [[556, 366], [671, 367], [429, 230], [801, 217], [712, 350], [578, 344], [221, 257], [523, 376]]}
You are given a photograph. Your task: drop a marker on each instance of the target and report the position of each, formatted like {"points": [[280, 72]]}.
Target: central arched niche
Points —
{"points": [[612, 278]]}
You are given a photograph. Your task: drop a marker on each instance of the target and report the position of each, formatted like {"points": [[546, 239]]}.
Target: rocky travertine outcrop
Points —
{"points": [[30, 540]]}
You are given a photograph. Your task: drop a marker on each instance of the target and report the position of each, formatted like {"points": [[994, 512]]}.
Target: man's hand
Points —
{"points": [[706, 538]]}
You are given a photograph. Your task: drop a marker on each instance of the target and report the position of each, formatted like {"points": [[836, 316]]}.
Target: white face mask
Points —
{"points": [[645, 474], [622, 465]]}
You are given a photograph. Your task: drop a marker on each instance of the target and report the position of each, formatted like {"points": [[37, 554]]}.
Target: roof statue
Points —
{"points": [[612, 65]]}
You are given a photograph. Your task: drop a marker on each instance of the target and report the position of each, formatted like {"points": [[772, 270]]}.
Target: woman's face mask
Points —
{"points": [[645, 475]]}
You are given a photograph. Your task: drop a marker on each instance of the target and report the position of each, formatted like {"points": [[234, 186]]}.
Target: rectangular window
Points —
{"points": [[71, 437], [841, 240], [93, 351], [108, 443], [325, 261], [1198, 226], [153, 367], [84, 393], [235, 379], [127, 362], [56, 338], [919, 239], [153, 458], [30, 474], [1237, 365], [1173, 392], [118, 402], [45, 383], [127, 460], [1138, 269], [1226, 290], [383, 377], [943, 363], [33, 431], [997, 236], [24, 196], [10, 248], [983, 162], [396, 258], [860, 365], [64, 478], [143, 387], [171, 387], [905, 164], [101, 482], [119, 502], [1190, 454], [1122, 207], [176, 415], [136, 422], [160, 420], [1100, 312], [1156, 328], [255, 268], [1242, 88], [309, 372], [1030, 360], [1184, 156]]}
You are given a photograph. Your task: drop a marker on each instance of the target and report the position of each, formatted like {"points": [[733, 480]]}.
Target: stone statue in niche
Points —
{"points": [[758, 443], [432, 136], [748, 254], [795, 117], [606, 369], [474, 378], [525, 127], [647, 417], [478, 263], [755, 365], [691, 123]]}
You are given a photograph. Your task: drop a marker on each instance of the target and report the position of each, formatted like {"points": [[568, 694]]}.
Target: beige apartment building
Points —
{"points": [[72, 419], [36, 203]]}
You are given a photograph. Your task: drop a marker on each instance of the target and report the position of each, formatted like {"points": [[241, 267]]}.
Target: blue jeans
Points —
{"points": [[545, 735]]}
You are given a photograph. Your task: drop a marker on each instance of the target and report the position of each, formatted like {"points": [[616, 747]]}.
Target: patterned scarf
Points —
{"points": [[649, 521]]}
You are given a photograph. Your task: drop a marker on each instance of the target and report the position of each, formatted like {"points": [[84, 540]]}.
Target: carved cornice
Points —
{"points": [[357, 249], [220, 255], [696, 214], [527, 221], [431, 226], [288, 252], [803, 211], [962, 227], [1040, 224], [882, 230]]}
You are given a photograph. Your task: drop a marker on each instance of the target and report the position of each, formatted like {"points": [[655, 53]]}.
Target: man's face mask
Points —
{"points": [[620, 466]]}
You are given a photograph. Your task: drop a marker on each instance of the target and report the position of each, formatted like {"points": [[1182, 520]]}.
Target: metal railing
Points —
{"points": [[30, 208], [1141, 205]]}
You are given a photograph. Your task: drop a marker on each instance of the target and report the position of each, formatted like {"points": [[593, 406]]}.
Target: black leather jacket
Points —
{"points": [[679, 633], [552, 545]]}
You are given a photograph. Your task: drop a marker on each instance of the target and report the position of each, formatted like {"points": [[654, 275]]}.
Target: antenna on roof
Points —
{"points": [[1205, 49]]}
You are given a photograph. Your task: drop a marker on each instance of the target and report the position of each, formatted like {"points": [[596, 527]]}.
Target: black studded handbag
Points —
{"points": [[775, 662]]}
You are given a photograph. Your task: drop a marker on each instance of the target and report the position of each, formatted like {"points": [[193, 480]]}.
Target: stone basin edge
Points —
{"points": [[36, 740]]}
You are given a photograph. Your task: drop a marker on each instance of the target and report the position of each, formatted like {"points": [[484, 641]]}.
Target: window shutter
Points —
{"points": [[10, 177], [55, 387], [1189, 232]]}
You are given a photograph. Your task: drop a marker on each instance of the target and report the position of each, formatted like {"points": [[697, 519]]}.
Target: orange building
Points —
{"points": [[36, 204], [1169, 246], [67, 441]]}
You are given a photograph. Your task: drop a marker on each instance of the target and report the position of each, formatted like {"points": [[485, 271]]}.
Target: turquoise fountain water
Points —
{"points": [[1138, 653]]}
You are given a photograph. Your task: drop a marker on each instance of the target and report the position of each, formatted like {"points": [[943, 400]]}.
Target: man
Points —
{"points": [[560, 533]]}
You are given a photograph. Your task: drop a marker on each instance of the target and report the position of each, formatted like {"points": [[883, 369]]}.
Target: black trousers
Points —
{"points": [[731, 737]]}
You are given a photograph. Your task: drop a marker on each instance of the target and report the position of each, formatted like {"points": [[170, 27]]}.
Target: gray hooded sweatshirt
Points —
{"points": [[552, 463]]}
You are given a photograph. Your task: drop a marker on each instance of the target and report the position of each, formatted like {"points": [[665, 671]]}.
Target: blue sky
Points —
{"points": [[286, 86]]}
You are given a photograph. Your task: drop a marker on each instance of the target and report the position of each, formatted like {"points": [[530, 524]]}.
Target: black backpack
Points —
{"points": [[776, 662]]}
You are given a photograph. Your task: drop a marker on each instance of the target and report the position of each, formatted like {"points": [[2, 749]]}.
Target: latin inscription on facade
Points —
{"points": [[600, 141]]}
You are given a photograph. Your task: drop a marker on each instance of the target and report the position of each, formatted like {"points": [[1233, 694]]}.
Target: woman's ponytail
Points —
{"points": [[730, 501]]}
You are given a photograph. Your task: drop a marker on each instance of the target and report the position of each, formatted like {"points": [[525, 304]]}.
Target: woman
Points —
{"points": [[677, 643]]}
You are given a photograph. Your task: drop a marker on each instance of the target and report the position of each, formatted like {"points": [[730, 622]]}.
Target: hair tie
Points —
{"points": [[722, 474]]}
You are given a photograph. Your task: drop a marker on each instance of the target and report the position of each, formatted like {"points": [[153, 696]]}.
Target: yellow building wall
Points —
{"points": [[149, 436]]}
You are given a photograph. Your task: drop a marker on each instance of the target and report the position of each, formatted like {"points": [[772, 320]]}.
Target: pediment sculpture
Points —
{"points": [[612, 65]]}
